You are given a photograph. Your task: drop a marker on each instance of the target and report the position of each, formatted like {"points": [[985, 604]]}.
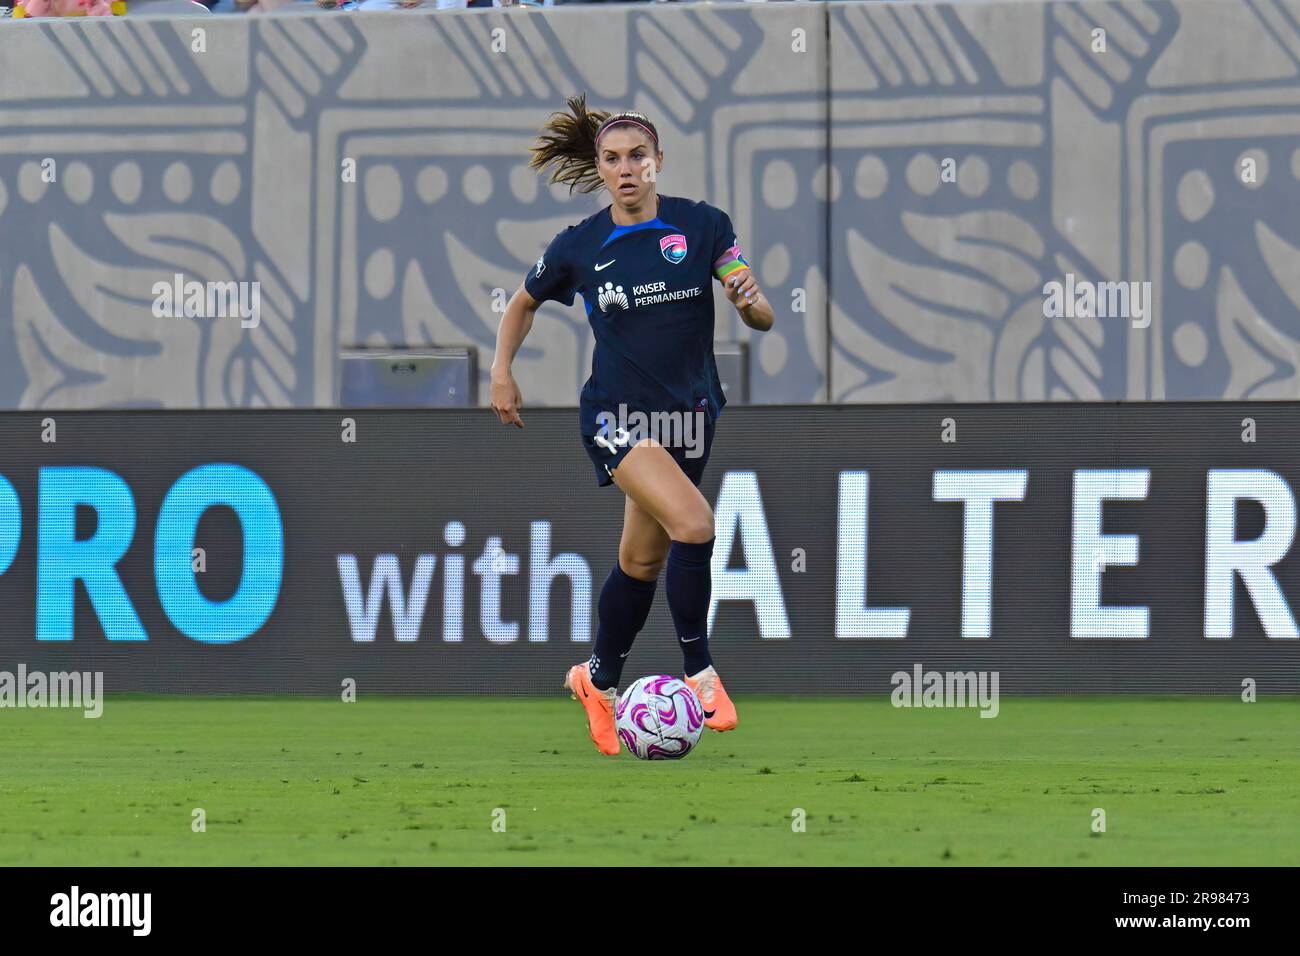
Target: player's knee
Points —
{"points": [[694, 528], [641, 566]]}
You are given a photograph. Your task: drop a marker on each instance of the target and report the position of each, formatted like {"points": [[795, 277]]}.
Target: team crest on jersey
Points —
{"points": [[673, 247]]}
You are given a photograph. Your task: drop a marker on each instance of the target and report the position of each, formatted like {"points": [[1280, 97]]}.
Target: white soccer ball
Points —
{"points": [[659, 718]]}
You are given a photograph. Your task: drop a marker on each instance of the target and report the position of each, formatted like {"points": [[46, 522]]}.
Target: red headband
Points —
{"points": [[617, 120]]}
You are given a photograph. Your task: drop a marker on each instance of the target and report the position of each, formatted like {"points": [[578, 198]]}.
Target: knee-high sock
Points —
{"points": [[621, 611], [689, 582]]}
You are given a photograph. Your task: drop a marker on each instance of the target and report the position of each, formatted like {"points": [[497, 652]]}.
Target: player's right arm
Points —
{"points": [[550, 279], [506, 397]]}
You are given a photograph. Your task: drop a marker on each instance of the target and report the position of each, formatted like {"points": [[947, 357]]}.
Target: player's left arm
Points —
{"points": [[742, 290], [737, 277]]}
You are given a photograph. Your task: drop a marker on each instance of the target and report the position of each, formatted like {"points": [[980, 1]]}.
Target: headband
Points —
{"points": [[617, 120]]}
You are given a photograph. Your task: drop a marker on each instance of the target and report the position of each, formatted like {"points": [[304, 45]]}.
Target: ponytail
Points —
{"points": [[569, 142]]}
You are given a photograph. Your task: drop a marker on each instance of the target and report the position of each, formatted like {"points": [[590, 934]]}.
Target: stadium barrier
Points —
{"points": [[1066, 547], [908, 179]]}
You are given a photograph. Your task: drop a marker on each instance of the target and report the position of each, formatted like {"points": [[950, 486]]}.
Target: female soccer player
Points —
{"points": [[644, 266]]}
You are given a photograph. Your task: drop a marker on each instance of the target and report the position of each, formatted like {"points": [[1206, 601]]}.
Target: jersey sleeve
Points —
{"points": [[727, 258], [552, 277]]}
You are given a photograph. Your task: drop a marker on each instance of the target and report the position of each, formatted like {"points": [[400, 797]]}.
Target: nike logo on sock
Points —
{"points": [[687, 640]]}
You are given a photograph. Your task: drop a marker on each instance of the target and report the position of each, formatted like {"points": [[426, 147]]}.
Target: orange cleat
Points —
{"points": [[598, 705], [719, 711]]}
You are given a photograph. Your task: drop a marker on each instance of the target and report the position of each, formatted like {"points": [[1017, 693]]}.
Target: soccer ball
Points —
{"points": [[659, 718]]}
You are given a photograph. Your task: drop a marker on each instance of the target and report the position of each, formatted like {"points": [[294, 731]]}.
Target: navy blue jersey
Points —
{"points": [[648, 288]]}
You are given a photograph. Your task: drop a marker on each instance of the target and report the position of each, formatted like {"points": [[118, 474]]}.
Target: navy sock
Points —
{"points": [[621, 611], [689, 580]]}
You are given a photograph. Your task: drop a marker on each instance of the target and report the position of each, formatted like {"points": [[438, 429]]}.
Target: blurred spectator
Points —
{"points": [[258, 6], [62, 8], [271, 6], [426, 4], [181, 8]]}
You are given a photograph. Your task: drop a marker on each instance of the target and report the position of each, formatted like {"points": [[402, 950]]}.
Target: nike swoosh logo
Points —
{"points": [[708, 714], [606, 265], [687, 640]]}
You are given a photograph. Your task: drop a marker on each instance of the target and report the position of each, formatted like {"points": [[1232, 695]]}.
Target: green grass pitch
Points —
{"points": [[1182, 781]]}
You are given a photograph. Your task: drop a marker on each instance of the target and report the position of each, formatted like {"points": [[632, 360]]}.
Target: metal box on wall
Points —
{"points": [[733, 370], [408, 378]]}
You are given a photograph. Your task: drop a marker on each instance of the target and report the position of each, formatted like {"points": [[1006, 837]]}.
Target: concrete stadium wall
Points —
{"points": [[826, 130]]}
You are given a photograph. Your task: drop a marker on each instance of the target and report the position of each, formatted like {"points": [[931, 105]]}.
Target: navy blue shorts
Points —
{"points": [[606, 456]]}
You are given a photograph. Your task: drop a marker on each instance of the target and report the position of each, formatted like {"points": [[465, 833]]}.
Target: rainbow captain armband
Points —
{"points": [[731, 261]]}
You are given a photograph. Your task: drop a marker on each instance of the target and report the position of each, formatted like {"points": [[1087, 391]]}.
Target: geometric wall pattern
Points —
{"points": [[905, 178]]}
